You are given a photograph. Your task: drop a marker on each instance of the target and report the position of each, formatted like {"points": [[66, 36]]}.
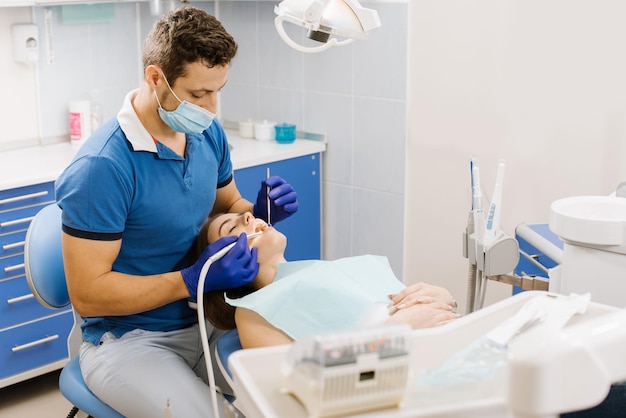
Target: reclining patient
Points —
{"points": [[330, 289], [288, 300]]}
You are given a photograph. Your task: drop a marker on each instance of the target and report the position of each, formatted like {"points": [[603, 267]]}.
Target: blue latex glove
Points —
{"points": [[238, 267], [283, 200]]}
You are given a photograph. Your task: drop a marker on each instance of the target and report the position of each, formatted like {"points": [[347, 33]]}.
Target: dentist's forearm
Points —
{"points": [[114, 293]]}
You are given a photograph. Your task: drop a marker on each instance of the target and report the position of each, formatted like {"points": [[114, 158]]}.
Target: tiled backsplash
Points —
{"points": [[355, 94]]}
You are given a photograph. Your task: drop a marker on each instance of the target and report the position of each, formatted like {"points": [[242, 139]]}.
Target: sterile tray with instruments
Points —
{"points": [[509, 359]]}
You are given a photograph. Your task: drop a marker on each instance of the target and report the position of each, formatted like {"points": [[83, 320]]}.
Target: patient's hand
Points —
{"points": [[421, 293], [424, 315]]}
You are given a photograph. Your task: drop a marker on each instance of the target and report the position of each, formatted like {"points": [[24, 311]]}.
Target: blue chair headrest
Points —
{"points": [[43, 258]]}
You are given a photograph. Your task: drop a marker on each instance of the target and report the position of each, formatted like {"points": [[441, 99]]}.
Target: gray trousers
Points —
{"points": [[139, 373]]}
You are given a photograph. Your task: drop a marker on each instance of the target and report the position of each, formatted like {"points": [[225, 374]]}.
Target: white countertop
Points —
{"points": [[44, 163]]}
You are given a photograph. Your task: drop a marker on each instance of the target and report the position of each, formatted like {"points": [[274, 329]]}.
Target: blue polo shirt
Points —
{"points": [[122, 184]]}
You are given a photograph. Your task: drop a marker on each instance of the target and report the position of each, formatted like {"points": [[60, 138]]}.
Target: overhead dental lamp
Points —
{"points": [[323, 18]]}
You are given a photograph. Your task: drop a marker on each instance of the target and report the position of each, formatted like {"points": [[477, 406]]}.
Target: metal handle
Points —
{"points": [[525, 282], [35, 343], [14, 267], [20, 298], [23, 197], [13, 245], [16, 222], [533, 260]]}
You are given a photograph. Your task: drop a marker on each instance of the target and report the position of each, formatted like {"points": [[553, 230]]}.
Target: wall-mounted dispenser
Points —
{"points": [[25, 42]]}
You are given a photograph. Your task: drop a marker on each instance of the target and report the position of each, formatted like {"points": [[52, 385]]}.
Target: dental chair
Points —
{"points": [[225, 346], [43, 260]]}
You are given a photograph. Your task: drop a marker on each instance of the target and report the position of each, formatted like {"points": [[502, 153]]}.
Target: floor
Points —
{"points": [[37, 397]]}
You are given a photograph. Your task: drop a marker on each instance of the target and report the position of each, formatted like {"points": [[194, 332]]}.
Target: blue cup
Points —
{"points": [[285, 133]]}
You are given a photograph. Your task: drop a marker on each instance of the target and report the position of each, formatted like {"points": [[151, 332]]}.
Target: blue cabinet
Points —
{"points": [[33, 339], [302, 229]]}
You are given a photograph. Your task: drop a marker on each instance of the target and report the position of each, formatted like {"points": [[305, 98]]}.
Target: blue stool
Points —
{"points": [[43, 261], [226, 345]]}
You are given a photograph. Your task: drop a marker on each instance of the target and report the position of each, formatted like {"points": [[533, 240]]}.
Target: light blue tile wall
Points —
{"points": [[355, 94], [97, 61]]}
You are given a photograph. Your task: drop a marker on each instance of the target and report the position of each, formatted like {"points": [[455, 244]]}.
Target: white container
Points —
{"points": [[593, 231], [246, 129], [265, 131], [80, 121]]}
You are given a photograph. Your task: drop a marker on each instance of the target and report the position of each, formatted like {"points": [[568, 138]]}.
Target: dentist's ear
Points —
{"points": [[152, 75]]}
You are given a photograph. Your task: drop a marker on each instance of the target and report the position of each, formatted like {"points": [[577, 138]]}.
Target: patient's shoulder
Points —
{"points": [[255, 331]]}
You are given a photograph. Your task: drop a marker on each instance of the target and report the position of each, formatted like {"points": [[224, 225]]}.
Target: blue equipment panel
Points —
{"points": [[542, 245], [303, 228]]}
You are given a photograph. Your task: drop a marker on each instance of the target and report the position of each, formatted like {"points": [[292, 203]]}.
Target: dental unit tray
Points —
{"points": [[562, 371], [337, 374]]}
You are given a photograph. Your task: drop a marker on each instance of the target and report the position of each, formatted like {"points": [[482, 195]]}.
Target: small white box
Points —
{"points": [[25, 42]]}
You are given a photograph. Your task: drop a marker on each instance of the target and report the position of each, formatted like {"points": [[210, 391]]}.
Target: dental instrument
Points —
{"points": [[492, 228], [479, 232], [491, 253], [202, 324], [469, 251], [267, 176], [477, 199], [493, 219]]}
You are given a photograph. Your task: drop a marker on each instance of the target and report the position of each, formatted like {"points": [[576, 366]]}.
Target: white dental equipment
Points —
{"points": [[566, 369], [491, 253], [202, 323], [493, 219], [349, 372], [593, 231], [323, 18]]}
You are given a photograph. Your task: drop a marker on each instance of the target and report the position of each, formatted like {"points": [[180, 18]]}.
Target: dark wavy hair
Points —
{"points": [[219, 313], [187, 35]]}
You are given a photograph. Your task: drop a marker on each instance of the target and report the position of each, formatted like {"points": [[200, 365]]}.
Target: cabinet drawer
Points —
{"points": [[19, 219], [12, 266], [18, 304], [35, 344], [26, 196], [12, 243]]}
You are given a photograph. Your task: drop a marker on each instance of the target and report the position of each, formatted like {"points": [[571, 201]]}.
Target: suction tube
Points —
{"points": [[202, 325], [471, 288], [202, 321]]}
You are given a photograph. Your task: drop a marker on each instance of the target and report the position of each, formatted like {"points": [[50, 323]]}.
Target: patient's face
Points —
{"points": [[235, 224], [270, 245]]}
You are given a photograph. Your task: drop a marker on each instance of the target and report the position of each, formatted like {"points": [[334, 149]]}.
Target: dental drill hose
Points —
{"points": [[471, 275], [202, 324], [471, 288]]}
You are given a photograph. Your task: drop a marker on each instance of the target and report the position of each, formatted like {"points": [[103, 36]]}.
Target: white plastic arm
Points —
{"points": [[278, 22]]}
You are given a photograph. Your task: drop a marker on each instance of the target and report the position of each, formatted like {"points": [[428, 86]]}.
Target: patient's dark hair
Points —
{"points": [[219, 313]]}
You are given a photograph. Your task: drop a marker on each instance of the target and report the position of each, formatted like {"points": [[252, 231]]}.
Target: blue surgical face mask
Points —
{"points": [[187, 117]]}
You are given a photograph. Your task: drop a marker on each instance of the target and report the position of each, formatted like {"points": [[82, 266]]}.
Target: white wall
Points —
{"points": [[540, 83], [18, 107]]}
